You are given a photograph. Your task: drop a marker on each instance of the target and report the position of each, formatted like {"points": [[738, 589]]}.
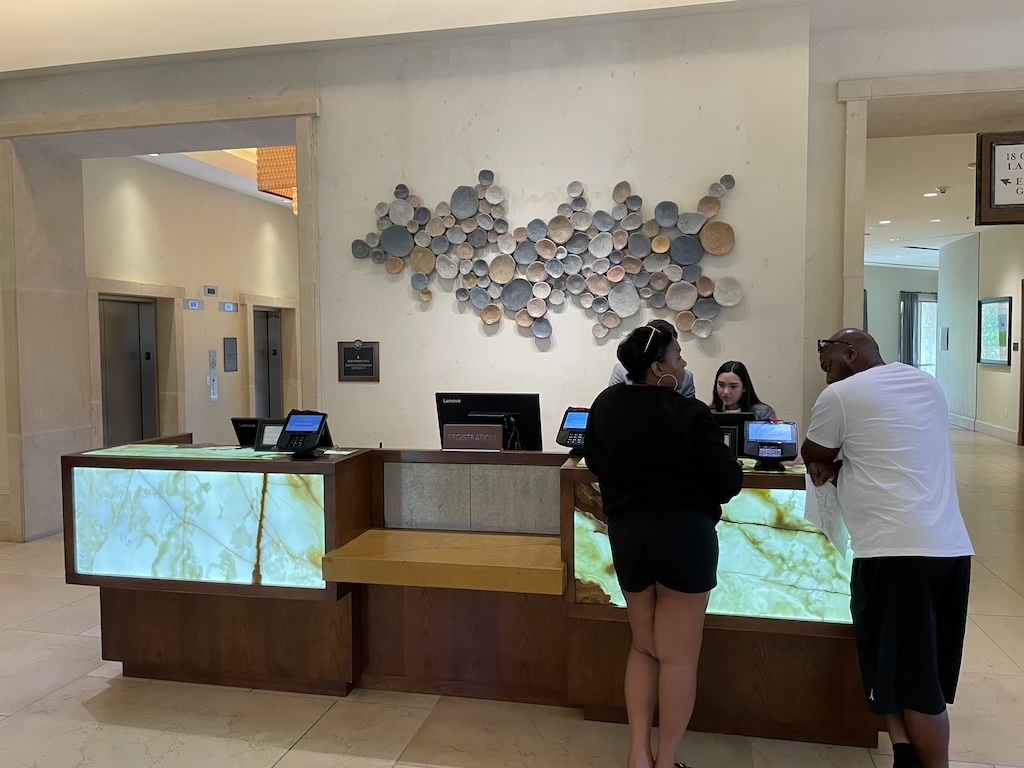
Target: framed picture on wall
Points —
{"points": [[999, 179], [994, 323]]}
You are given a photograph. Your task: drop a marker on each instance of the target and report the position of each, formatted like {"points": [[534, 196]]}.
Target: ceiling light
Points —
{"points": [[885, 221], [934, 221], [894, 239], [154, 154], [931, 194]]}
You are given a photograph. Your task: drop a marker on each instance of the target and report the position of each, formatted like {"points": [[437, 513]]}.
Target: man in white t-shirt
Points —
{"points": [[912, 571]]}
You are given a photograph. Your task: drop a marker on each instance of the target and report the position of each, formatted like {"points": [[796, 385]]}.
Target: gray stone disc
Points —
{"points": [[581, 220], [372, 239], [600, 304], [484, 281], [536, 230], [421, 216], [397, 241], [541, 328], [692, 273], [616, 257], [516, 294], [639, 245], [575, 188], [728, 181], [601, 266], [632, 222], [686, 250], [573, 264], [464, 203], [401, 212], [456, 236], [494, 290], [419, 281], [575, 285], [360, 249], [501, 226], [656, 262], [673, 272], [619, 211], [507, 243], [479, 298], [381, 209], [494, 194], [480, 267], [383, 223], [564, 209], [717, 189], [478, 238], [377, 256], [666, 213], [604, 221], [691, 223], [657, 300], [579, 204], [728, 292], [702, 328], [640, 279], [465, 267], [555, 268], [600, 331], [624, 299], [422, 239], [485, 222], [526, 253], [485, 177], [706, 307], [440, 245], [634, 202], [681, 296], [578, 243], [602, 245], [401, 191], [442, 209], [462, 294], [556, 298]]}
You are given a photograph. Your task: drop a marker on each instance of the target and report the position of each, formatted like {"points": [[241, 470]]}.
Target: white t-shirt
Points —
{"points": [[896, 488]]}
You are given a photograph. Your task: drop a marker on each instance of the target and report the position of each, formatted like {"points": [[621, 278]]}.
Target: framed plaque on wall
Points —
{"points": [[994, 323], [359, 361], [999, 195]]}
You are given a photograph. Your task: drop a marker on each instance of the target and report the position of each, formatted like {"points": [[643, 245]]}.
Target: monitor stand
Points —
{"points": [[769, 465], [310, 454]]}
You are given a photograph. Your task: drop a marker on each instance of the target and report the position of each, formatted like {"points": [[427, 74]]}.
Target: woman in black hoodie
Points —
{"points": [[664, 471]]}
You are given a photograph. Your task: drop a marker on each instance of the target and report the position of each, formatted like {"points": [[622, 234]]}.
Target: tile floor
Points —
{"points": [[62, 706]]}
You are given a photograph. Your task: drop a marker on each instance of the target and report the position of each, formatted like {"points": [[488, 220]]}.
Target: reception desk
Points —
{"points": [[471, 574]]}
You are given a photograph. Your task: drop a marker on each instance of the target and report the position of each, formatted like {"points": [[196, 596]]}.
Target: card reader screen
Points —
{"points": [[304, 423], [770, 432], [575, 420], [272, 433]]}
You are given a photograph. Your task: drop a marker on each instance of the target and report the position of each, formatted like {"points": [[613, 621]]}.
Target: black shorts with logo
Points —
{"points": [[909, 618]]}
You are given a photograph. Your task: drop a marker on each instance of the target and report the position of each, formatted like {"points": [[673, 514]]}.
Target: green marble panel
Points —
{"points": [[221, 527], [772, 562]]}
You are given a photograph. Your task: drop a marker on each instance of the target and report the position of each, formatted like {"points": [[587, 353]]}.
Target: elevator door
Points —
{"points": [[267, 360], [128, 370]]}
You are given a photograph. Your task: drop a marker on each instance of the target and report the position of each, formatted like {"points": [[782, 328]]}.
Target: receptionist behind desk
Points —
{"points": [[685, 388], [734, 391]]}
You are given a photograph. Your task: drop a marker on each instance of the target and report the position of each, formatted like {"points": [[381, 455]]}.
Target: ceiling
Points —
{"points": [[900, 171], [948, 113]]}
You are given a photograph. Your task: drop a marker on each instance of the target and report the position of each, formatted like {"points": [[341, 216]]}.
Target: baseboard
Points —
{"points": [[964, 422], [1000, 433]]}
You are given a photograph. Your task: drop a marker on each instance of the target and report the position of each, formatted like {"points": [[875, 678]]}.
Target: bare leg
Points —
{"points": [[930, 736], [902, 750], [641, 676], [678, 632]]}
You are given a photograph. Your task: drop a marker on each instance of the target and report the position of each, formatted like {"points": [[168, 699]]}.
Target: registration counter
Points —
{"points": [[466, 574]]}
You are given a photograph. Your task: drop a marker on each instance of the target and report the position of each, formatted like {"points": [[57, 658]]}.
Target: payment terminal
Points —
{"points": [[572, 430], [301, 434]]}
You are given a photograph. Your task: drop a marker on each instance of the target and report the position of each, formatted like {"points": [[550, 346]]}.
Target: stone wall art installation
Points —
{"points": [[608, 263]]}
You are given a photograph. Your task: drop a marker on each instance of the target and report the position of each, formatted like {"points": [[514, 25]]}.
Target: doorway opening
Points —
{"points": [[919, 329], [128, 369]]}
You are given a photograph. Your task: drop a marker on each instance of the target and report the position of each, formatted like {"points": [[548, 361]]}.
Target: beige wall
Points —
{"points": [[147, 224], [956, 368], [883, 285], [1001, 272]]}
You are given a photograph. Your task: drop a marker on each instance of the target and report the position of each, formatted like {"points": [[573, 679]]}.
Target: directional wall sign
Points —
{"points": [[1000, 178]]}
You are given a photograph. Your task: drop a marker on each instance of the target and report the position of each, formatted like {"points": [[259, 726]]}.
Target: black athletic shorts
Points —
{"points": [[909, 618], [677, 550]]}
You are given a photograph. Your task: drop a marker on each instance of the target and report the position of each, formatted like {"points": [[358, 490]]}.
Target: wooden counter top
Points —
{"points": [[445, 560]]}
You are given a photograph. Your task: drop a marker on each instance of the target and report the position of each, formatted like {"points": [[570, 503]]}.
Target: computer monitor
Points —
{"points": [[733, 425], [518, 414], [245, 430]]}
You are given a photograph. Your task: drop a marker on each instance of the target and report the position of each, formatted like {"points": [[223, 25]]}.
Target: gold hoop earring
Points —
{"points": [[675, 381]]}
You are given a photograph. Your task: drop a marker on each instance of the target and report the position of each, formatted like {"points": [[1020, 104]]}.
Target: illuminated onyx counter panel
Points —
{"points": [[209, 560], [778, 656]]}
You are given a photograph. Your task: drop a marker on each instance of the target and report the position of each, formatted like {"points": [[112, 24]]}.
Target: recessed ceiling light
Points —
{"points": [[885, 221], [931, 194], [934, 221], [154, 154], [894, 239]]}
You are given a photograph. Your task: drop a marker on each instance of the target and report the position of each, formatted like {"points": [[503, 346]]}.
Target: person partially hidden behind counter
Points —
{"points": [[734, 392], [664, 471], [686, 386]]}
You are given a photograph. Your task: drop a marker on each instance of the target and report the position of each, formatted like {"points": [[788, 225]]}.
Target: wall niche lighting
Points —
{"points": [[276, 174]]}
